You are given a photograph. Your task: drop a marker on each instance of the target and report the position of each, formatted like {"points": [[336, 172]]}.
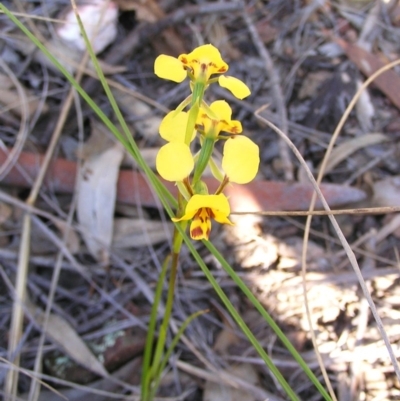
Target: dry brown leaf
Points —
{"points": [[60, 331], [97, 190], [345, 149], [367, 63], [218, 391], [226, 337], [135, 233]]}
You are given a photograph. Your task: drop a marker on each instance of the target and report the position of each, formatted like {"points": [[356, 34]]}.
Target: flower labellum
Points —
{"points": [[201, 209]]}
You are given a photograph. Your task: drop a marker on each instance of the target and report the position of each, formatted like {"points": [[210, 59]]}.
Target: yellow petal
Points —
{"points": [[238, 88], [221, 109], [221, 218], [173, 126], [241, 159], [208, 51], [218, 115], [174, 161], [168, 67], [204, 59], [233, 126], [218, 203]]}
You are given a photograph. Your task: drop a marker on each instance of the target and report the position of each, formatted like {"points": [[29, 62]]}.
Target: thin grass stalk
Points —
{"points": [[146, 376], [162, 335], [171, 348]]}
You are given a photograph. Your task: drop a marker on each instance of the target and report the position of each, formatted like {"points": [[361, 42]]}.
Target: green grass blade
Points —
{"points": [[151, 330], [171, 348]]}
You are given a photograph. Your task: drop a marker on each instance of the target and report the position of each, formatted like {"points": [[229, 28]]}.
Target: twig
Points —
{"points": [[368, 265], [368, 210], [277, 96]]}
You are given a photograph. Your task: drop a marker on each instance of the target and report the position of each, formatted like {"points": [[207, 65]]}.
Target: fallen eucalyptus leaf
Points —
{"points": [[64, 335], [99, 19], [345, 149], [96, 200]]}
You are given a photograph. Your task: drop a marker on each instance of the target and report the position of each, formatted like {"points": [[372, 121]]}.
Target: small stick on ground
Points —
{"points": [[277, 95]]}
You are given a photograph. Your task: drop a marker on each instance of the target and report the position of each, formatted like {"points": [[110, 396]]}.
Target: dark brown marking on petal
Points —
{"points": [[210, 212], [184, 60], [235, 130], [222, 69], [196, 233]]}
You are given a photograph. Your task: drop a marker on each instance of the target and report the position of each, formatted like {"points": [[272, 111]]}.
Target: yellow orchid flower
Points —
{"points": [[204, 61], [218, 118], [200, 65], [201, 209]]}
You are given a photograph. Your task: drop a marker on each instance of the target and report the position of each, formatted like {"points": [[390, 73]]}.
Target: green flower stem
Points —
{"points": [[151, 331], [198, 92], [191, 124], [162, 337], [204, 157], [197, 97], [151, 375], [168, 354]]}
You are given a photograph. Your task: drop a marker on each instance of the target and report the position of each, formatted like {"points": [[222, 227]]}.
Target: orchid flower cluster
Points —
{"points": [[209, 123]]}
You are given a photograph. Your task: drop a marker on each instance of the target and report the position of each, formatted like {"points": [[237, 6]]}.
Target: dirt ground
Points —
{"points": [[88, 237]]}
